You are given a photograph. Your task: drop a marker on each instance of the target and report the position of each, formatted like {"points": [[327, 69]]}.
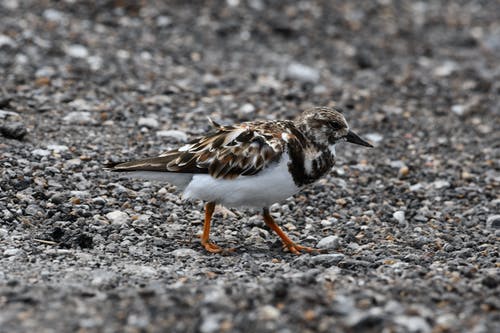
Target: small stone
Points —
{"points": [[148, 122], [327, 259], [247, 108], [300, 72], [158, 100], [57, 148], [269, 312], [439, 184], [184, 253], [374, 137], [178, 136], [11, 252], [445, 69], [77, 51], [399, 216], [330, 242], [80, 194], [15, 130], [40, 152], [117, 217], [6, 41], [79, 118], [403, 172], [459, 110], [53, 15], [493, 222]]}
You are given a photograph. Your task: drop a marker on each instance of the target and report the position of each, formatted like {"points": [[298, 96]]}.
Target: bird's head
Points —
{"points": [[327, 126]]}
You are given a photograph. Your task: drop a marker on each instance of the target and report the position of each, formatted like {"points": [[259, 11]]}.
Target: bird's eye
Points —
{"points": [[335, 126]]}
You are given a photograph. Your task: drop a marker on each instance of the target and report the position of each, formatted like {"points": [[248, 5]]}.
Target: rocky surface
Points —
{"points": [[410, 229]]}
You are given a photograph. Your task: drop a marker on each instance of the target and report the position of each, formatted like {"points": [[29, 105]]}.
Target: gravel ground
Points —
{"points": [[411, 228]]}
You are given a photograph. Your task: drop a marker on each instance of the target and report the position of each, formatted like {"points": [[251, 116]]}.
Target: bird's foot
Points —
{"points": [[213, 248], [297, 249]]}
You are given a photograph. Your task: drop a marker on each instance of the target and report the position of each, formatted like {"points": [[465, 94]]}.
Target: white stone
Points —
{"points": [[53, 15], [79, 118], [399, 216], [77, 51], [458, 109], [439, 184], [374, 137], [177, 135], [117, 217], [269, 312], [57, 148], [329, 242], [7, 41], [247, 108], [11, 252], [41, 152], [80, 104], [158, 99], [445, 69], [184, 253], [302, 73], [148, 122]]}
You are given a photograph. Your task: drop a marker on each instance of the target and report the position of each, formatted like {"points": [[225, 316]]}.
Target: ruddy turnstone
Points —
{"points": [[254, 164]]}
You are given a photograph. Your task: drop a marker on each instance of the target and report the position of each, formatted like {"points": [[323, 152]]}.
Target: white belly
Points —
{"points": [[271, 185]]}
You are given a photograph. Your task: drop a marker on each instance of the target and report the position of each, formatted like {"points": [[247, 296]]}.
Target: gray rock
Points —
{"points": [[148, 122], [117, 217], [12, 252], [179, 136], [493, 221], [77, 51], [327, 259], [399, 216], [41, 152], [79, 118], [300, 72], [14, 130], [330, 242]]}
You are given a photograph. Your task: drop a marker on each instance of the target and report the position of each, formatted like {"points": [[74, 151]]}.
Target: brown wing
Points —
{"points": [[229, 152]]}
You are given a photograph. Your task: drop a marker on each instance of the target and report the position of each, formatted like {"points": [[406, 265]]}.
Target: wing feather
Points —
{"points": [[227, 153]]}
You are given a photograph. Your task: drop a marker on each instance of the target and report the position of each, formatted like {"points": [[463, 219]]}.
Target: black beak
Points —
{"points": [[354, 138]]}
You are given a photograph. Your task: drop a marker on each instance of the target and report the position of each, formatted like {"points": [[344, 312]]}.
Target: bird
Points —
{"points": [[253, 164]]}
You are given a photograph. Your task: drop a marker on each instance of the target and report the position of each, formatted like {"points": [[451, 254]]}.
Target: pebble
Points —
{"points": [[268, 312], [439, 184], [77, 51], [399, 216], [329, 242], [459, 110], [327, 259], [79, 118], [300, 72], [11, 252], [178, 136], [117, 217], [57, 148], [493, 221], [14, 130], [158, 100], [374, 137], [247, 108], [148, 122], [53, 15], [184, 253], [6, 41], [41, 152]]}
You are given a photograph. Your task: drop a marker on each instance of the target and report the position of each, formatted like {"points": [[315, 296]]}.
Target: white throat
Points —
{"points": [[332, 149]]}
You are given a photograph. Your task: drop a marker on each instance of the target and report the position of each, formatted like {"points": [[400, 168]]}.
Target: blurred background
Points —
{"points": [[414, 221]]}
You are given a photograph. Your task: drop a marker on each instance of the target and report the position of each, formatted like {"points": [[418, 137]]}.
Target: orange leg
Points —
{"points": [[210, 247], [292, 247]]}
